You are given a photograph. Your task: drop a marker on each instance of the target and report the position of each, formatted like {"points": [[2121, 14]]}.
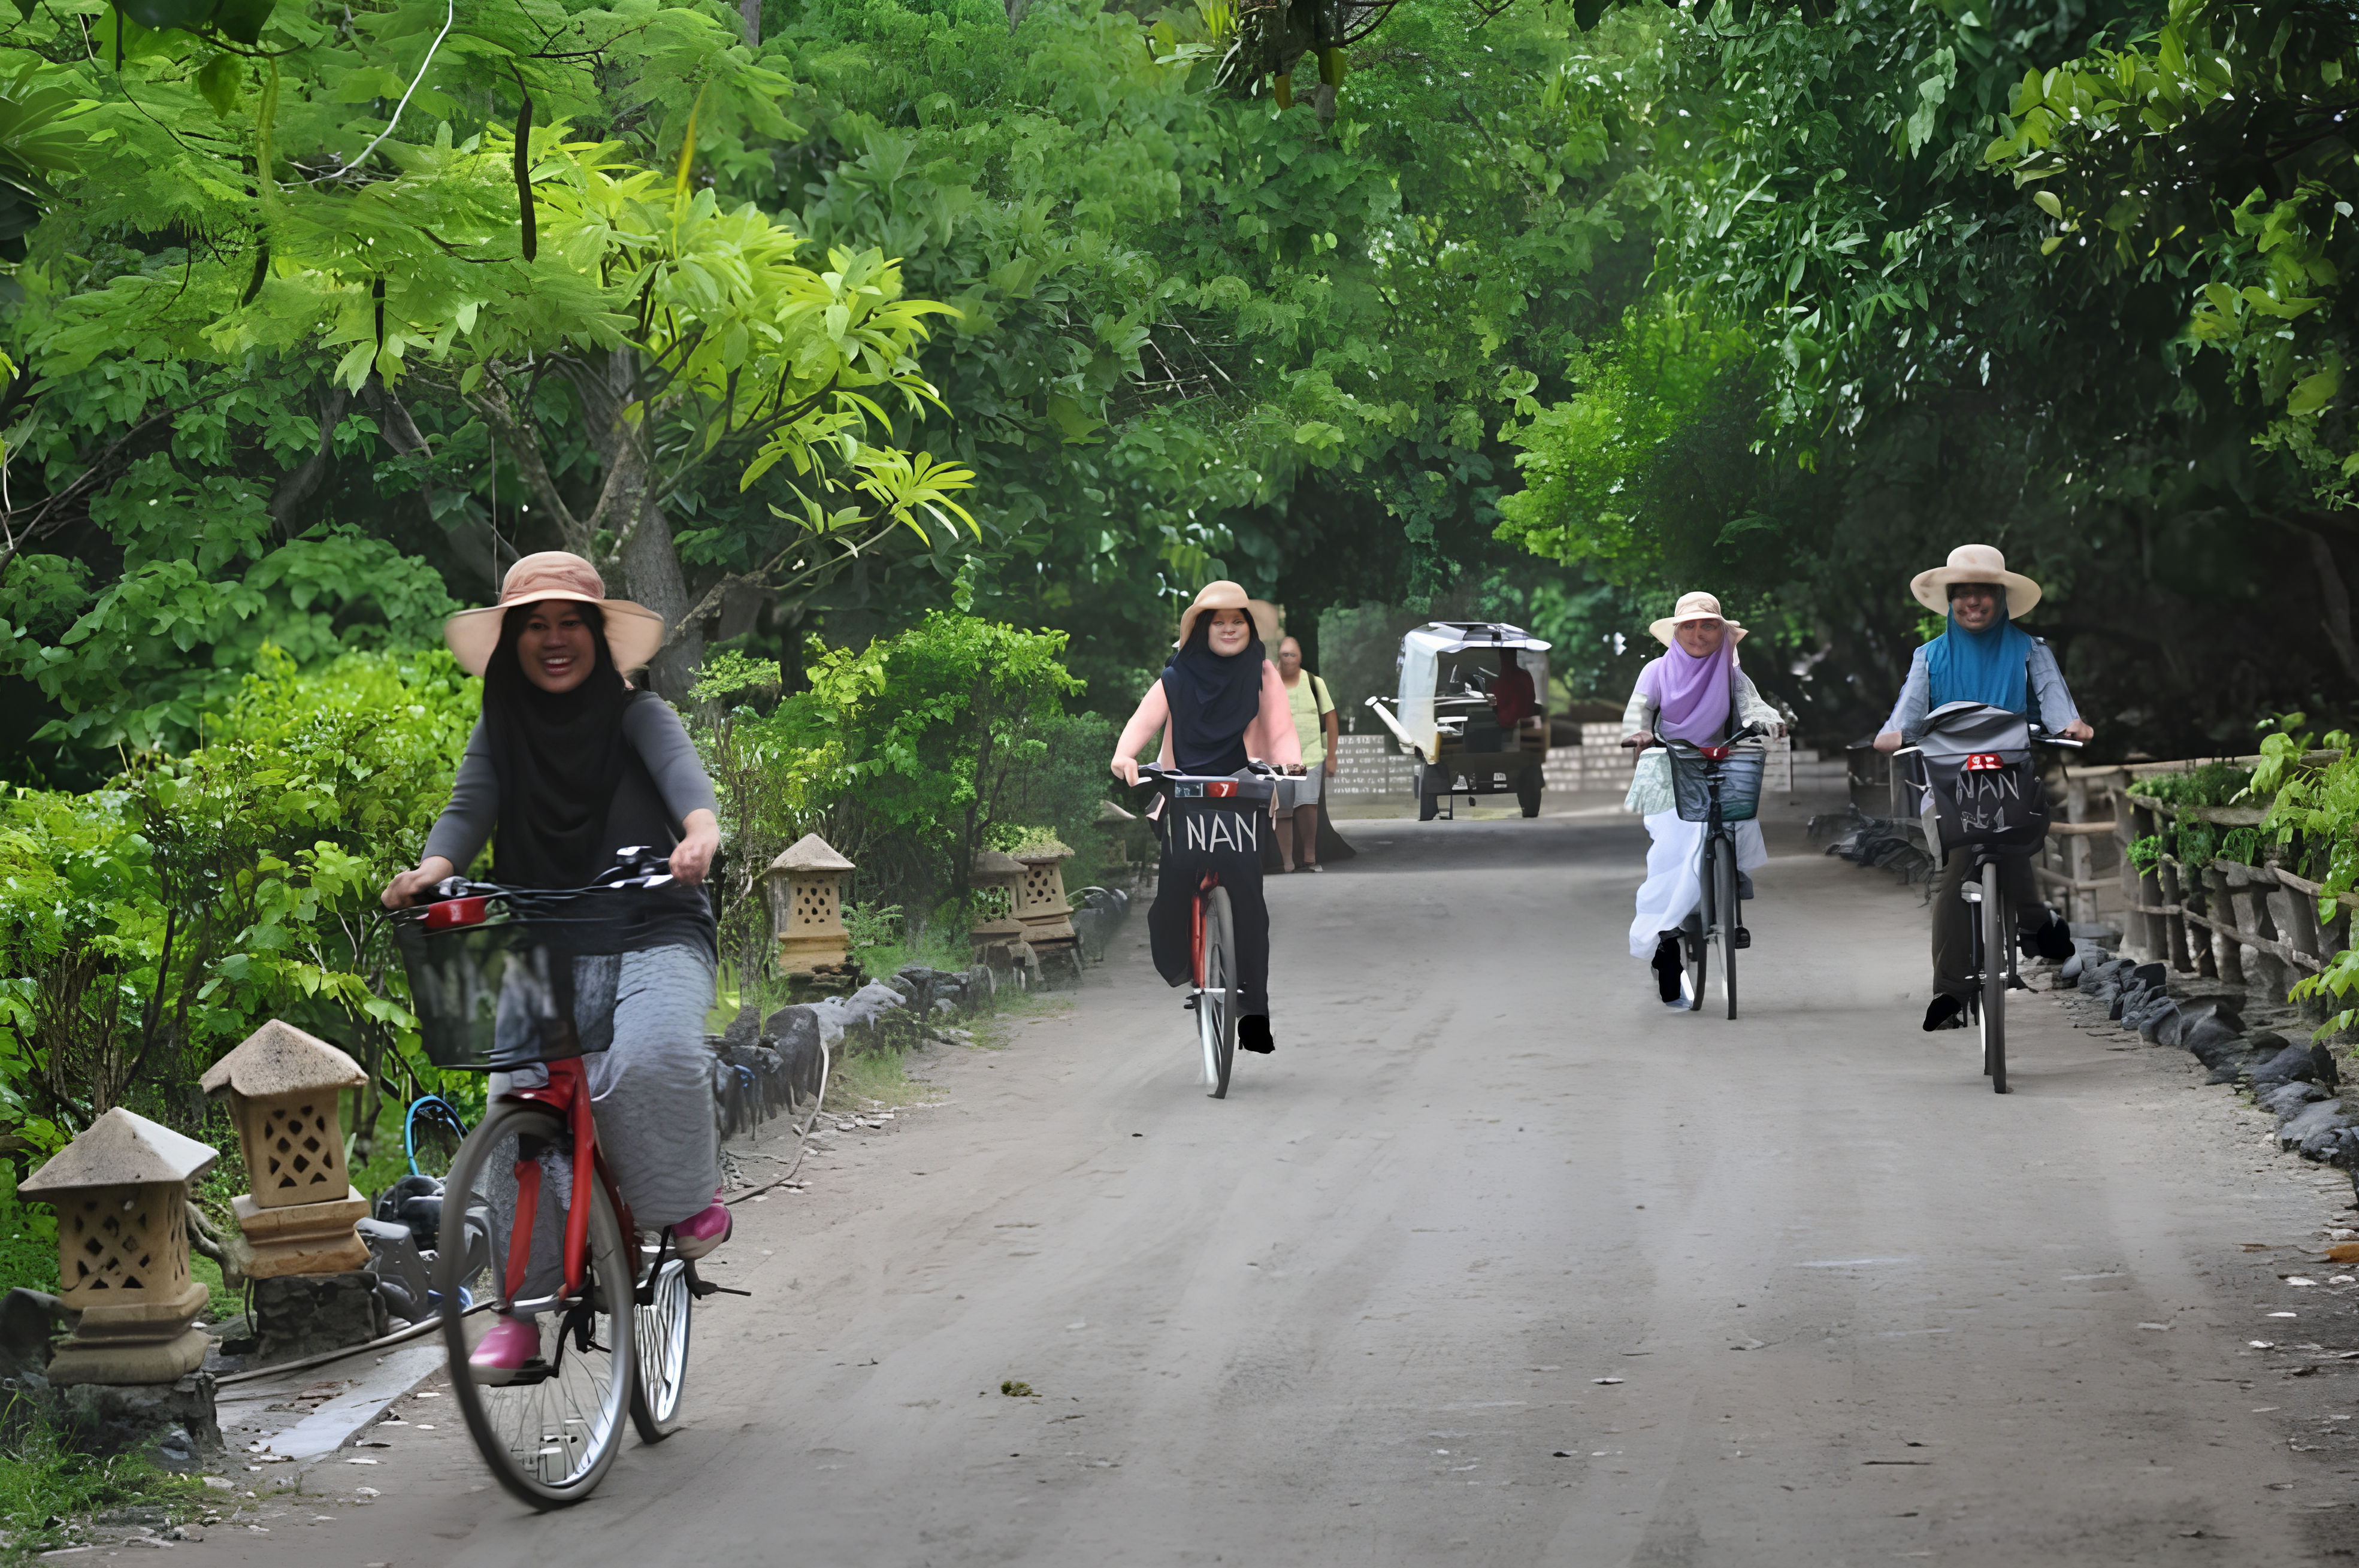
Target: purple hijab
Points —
{"points": [[1692, 693]]}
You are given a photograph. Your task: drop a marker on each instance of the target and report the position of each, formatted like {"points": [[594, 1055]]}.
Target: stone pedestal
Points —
{"points": [[309, 1315], [173, 1418], [302, 1239], [80, 1360], [818, 984]]}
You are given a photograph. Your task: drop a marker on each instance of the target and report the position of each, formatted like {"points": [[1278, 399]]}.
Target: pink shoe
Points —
{"points": [[502, 1353], [700, 1233]]}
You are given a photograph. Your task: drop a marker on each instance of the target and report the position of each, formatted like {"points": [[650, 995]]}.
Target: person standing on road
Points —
{"points": [[567, 764], [1982, 656], [1219, 704], [1315, 731], [1695, 693]]}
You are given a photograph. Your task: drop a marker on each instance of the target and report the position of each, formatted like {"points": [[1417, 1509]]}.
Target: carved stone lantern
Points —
{"points": [[806, 891], [1041, 897], [283, 1088], [121, 1191], [1114, 823], [995, 874]]}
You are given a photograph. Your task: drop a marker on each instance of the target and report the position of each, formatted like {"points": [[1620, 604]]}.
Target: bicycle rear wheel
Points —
{"points": [[663, 1328], [1994, 923], [549, 1433], [1724, 914], [1216, 996]]}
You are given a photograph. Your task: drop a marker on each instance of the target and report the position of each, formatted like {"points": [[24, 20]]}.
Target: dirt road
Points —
{"points": [[1496, 1262]]}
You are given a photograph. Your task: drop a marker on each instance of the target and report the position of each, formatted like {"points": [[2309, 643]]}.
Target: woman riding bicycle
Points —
{"points": [[1219, 703], [1982, 656], [1695, 693], [567, 764]]}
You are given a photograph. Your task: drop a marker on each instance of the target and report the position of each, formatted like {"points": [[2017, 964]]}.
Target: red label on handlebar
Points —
{"points": [[1984, 762], [453, 912], [1220, 789]]}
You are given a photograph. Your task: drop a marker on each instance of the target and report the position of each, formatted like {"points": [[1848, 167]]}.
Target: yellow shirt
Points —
{"points": [[1309, 699]]}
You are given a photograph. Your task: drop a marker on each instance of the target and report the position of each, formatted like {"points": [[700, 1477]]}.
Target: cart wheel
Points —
{"points": [[1428, 800], [1527, 791]]}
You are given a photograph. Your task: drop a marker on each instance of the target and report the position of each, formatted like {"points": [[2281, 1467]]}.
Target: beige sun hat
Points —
{"points": [[1227, 595], [633, 632], [1974, 562], [1696, 606]]}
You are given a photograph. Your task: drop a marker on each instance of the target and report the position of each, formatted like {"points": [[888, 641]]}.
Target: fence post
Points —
{"points": [[2141, 933], [2227, 951]]}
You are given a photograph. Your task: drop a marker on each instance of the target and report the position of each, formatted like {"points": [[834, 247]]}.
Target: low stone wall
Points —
{"points": [[1372, 768]]}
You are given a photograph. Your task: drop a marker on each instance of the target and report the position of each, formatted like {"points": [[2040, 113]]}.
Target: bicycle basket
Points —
{"points": [[514, 988], [1740, 783]]}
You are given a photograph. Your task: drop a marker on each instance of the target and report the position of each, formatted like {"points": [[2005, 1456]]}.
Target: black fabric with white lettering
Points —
{"points": [[1225, 838]]}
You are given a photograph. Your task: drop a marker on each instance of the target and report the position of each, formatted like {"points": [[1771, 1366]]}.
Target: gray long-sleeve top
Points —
{"points": [[2046, 685], [650, 727]]}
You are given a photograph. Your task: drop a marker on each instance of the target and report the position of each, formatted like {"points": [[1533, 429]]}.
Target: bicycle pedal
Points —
{"points": [[1743, 938], [1189, 1005]]}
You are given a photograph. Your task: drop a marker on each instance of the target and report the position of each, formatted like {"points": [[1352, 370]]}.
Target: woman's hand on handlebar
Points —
{"points": [[692, 857], [1638, 740], [2077, 730], [1889, 741], [1126, 769], [403, 891]]}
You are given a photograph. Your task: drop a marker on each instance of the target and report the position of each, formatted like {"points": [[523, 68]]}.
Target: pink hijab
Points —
{"points": [[1692, 694]]}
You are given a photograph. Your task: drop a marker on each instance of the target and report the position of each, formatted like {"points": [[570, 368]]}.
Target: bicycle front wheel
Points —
{"points": [[1216, 995], [552, 1430], [662, 1323], [1726, 915], [1995, 924]]}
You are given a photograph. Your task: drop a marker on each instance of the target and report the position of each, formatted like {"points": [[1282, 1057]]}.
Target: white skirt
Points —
{"points": [[1674, 885]]}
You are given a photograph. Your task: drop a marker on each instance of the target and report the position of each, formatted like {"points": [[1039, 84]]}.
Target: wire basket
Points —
{"points": [[514, 988], [1740, 783]]}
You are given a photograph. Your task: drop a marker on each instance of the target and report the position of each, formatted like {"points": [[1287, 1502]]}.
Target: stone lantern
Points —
{"points": [[121, 1191], [806, 890], [1040, 898], [997, 872], [1114, 823], [284, 1087]]}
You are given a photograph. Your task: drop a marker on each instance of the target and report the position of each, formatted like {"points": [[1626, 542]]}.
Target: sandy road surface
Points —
{"points": [[1496, 1262]]}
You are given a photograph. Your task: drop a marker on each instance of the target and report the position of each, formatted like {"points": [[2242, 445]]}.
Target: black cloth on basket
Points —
{"points": [[1212, 699], [1229, 842]]}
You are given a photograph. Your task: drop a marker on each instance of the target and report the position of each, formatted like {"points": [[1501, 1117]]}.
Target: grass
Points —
{"points": [[874, 1079], [47, 1491]]}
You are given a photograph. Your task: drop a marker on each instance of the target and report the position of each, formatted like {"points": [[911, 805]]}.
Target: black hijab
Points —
{"points": [[560, 756], [1212, 699]]}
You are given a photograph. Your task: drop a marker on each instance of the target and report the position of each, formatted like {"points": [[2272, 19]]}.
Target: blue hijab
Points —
{"points": [[1985, 667]]}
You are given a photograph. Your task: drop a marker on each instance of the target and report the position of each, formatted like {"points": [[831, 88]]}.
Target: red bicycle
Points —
{"points": [[533, 1224], [1193, 827]]}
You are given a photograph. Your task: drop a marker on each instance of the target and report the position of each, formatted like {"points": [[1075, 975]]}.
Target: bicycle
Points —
{"points": [[1206, 832], [497, 977], [1976, 789], [1718, 786]]}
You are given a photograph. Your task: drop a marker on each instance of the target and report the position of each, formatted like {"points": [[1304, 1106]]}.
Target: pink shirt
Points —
{"points": [[1269, 738]]}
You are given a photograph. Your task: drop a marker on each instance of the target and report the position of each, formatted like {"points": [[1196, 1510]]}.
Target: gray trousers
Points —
{"points": [[1954, 918], [651, 1094]]}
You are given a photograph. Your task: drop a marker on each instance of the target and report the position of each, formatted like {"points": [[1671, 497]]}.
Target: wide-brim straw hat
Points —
{"points": [[1974, 562], [1227, 595], [1693, 607], [634, 634]]}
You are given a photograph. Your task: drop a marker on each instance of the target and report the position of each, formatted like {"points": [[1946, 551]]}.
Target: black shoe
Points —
{"points": [[1667, 967], [1253, 1033], [2052, 940], [1743, 938], [1947, 1012]]}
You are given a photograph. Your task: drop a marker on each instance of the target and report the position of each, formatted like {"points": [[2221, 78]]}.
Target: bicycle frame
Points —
{"points": [[1196, 927], [567, 1093]]}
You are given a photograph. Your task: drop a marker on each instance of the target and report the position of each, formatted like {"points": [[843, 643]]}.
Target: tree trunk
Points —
{"points": [[751, 10], [2337, 601], [650, 560]]}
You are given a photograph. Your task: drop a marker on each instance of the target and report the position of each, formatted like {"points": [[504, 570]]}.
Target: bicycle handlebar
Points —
{"points": [[636, 867]]}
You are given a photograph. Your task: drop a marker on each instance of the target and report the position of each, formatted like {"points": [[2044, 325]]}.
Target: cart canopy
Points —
{"points": [[1446, 667]]}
